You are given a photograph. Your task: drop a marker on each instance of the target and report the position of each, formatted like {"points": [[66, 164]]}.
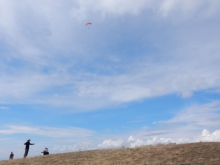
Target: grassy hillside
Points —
{"points": [[182, 154]]}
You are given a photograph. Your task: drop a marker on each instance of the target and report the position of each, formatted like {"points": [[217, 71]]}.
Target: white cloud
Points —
{"points": [[53, 132], [205, 132], [133, 142], [111, 143], [186, 94], [158, 140], [161, 7], [155, 79], [76, 147], [210, 137], [4, 108], [136, 142], [205, 115], [120, 7]]}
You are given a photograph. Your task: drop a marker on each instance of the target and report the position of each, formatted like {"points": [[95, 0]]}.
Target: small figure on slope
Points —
{"points": [[27, 147]]}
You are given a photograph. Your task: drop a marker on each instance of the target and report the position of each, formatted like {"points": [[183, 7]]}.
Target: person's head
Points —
{"points": [[29, 140], [11, 152]]}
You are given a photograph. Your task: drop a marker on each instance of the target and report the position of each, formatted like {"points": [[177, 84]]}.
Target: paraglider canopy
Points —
{"points": [[88, 24]]}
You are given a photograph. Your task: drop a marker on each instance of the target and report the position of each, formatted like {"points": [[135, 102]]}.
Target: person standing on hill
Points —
{"points": [[27, 147], [11, 156]]}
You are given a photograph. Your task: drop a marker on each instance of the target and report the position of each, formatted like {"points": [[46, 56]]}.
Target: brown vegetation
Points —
{"points": [[171, 154]]}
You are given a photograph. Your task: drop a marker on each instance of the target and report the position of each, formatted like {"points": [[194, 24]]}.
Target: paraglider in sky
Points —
{"points": [[88, 24]]}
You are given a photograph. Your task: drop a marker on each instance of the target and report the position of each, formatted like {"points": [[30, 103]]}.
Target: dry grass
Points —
{"points": [[172, 154]]}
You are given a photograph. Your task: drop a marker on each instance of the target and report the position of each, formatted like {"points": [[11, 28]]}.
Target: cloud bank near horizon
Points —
{"points": [[132, 142]]}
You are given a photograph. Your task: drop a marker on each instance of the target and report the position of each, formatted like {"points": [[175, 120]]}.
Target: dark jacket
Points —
{"points": [[11, 156], [28, 144]]}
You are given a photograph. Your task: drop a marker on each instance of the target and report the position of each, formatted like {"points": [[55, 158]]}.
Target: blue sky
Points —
{"points": [[145, 72]]}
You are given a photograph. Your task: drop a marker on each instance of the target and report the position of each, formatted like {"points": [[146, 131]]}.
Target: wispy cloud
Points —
{"points": [[75, 147], [162, 7], [205, 115], [52, 132], [4, 108], [136, 121]]}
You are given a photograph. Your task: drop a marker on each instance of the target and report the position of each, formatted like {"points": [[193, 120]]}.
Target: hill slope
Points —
{"points": [[182, 154]]}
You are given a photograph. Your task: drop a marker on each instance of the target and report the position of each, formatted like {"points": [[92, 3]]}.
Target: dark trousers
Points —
{"points": [[26, 152]]}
